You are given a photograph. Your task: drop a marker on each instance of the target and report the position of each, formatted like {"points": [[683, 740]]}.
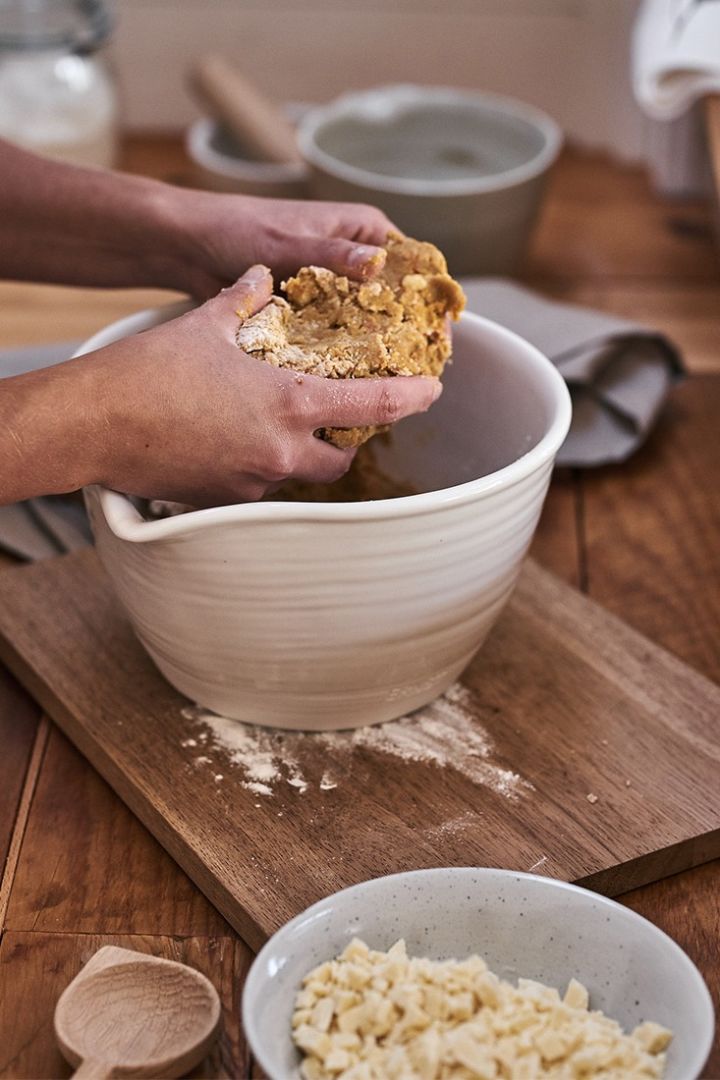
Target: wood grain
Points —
{"points": [[602, 220], [34, 765], [555, 544], [19, 717], [69, 314], [88, 866], [572, 700], [712, 125], [652, 530], [162, 157], [36, 967], [687, 907]]}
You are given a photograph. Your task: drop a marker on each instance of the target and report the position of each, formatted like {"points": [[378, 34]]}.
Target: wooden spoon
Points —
{"points": [[128, 1014]]}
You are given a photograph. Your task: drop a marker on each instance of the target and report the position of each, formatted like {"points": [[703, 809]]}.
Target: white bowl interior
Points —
{"points": [[522, 924], [437, 138], [434, 141], [496, 406]]}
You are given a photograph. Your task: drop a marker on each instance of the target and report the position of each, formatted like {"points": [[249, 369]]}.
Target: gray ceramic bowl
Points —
{"points": [[463, 169], [521, 924], [220, 163]]}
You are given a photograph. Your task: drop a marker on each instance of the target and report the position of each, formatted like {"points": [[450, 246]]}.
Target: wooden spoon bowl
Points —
{"points": [[128, 1014]]}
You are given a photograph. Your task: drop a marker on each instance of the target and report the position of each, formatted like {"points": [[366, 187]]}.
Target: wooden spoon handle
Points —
{"points": [[93, 1070]]}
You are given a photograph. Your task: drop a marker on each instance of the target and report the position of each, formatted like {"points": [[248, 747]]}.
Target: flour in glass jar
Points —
{"points": [[445, 733]]}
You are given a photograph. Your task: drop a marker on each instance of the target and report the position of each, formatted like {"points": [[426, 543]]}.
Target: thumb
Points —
{"points": [[360, 261], [249, 294]]}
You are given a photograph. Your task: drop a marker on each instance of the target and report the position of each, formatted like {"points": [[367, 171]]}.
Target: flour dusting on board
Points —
{"points": [[445, 733]]}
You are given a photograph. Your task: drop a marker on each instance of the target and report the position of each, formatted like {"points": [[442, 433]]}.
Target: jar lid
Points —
{"points": [[81, 25]]}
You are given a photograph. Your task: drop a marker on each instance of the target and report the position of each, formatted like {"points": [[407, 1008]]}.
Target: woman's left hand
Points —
{"points": [[223, 234], [65, 224]]}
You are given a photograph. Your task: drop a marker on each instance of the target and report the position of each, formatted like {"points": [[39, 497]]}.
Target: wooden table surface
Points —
{"points": [[79, 871]]}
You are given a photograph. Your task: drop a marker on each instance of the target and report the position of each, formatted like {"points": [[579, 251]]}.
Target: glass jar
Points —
{"points": [[57, 96]]}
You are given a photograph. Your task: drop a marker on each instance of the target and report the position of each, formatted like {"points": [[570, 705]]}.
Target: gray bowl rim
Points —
{"points": [[410, 96], [199, 148], [255, 977], [126, 522]]}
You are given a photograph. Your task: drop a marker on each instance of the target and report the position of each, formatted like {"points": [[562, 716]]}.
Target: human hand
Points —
{"points": [[133, 231], [222, 234], [190, 418]]}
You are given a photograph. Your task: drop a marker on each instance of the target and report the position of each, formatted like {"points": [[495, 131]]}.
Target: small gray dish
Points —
{"points": [[521, 924]]}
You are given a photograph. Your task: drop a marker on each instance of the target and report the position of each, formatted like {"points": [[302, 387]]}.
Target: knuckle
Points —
{"points": [[371, 212], [275, 234], [345, 464], [280, 463], [303, 399], [300, 407], [388, 406], [380, 220], [335, 470], [253, 491]]}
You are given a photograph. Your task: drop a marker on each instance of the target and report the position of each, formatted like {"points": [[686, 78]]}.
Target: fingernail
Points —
{"points": [[255, 274], [366, 258], [252, 277], [437, 390]]}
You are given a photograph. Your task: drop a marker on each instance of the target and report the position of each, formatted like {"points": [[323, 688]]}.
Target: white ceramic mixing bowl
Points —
{"points": [[321, 616]]}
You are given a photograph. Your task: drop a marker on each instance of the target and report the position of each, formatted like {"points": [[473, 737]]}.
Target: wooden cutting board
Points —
{"points": [[573, 747]]}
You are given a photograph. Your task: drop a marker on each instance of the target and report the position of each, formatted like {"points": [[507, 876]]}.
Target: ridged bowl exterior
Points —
{"points": [[328, 616]]}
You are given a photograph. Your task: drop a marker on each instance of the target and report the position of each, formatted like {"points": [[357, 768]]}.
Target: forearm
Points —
{"points": [[51, 431], [75, 226]]}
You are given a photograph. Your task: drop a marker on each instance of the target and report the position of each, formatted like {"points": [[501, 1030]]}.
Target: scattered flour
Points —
{"points": [[445, 733], [328, 781]]}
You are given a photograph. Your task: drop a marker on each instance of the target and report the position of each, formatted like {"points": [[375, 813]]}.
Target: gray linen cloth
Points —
{"points": [[618, 373]]}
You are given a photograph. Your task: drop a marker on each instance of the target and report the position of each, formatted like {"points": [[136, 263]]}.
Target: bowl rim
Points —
{"points": [[255, 977], [125, 521], [200, 150], [406, 96]]}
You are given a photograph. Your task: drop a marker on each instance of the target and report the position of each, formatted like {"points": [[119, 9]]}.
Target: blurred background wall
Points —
{"points": [[570, 57]]}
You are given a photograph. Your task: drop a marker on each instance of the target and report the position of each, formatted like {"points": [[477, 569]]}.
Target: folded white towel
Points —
{"points": [[675, 55]]}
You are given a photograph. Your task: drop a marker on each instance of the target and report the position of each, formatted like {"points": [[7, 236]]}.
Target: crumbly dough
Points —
{"points": [[331, 326], [381, 1016], [363, 481]]}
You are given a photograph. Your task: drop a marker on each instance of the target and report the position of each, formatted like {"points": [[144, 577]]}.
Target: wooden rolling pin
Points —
{"points": [[255, 120]]}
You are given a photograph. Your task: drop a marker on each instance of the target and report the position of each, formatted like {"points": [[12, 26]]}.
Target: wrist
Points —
{"points": [[195, 227], [50, 432], [164, 241]]}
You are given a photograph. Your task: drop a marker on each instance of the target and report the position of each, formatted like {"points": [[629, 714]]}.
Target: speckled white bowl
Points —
{"points": [[521, 924], [321, 616]]}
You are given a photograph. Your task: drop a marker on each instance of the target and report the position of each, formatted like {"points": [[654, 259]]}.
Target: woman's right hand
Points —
{"points": [[183, 415]]}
